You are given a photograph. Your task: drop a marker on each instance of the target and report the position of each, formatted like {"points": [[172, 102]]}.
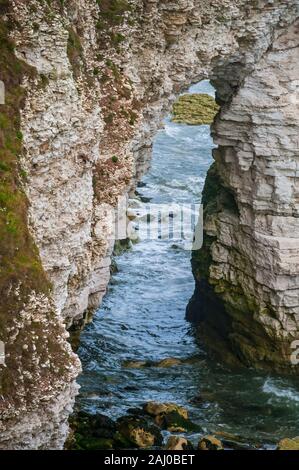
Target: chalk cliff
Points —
{"points": [[250, 282], [96, 78]]}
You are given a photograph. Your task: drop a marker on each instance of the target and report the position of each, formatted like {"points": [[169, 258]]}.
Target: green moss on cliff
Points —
{"points": [[112, 11], [229, 313], [201, 259], [111, 16], [195, 109], [20, 263], [74, 52]]}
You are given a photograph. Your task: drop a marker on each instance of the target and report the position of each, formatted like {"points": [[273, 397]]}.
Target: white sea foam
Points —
{"points": [[280, 391], [172, 130]]}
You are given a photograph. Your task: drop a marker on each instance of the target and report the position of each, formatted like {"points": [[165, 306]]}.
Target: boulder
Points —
{"points": [[155, 408], [175, 422], [134, 364], [231, 441], [170, 416], [139, 432], [92, 432], [178, 443], [289, 444], [169, 362], [210, 443], [136, 412], [97, 425]]}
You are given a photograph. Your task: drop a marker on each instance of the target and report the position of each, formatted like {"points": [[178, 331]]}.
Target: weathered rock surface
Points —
{"points": [[248, 270], [138, 432], [166, 362], [288, 444], [137, 429], [178, 443], [155, 409], [210, 443], [91, 432], [104, 79], [170, 416]]}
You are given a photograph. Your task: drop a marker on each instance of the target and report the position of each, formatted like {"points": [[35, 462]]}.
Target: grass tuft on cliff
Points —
{"points": [[17, 251], [195, 109], [75, 52], [112, 11], [21, 271]]}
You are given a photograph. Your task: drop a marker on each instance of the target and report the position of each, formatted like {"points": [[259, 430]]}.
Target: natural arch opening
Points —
{"points": [[141, 324]]}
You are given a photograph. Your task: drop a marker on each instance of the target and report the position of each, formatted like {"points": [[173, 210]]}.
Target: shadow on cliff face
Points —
{"points": [[222, 313], [205, 310]]}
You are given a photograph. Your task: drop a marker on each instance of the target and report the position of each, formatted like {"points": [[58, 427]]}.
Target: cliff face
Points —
{"points": [[104, 74], [251, 225]]}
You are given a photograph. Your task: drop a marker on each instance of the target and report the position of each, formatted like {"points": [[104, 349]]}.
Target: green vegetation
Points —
{"points": [[112, 11], [117, 38], [231, 305], [109, 118], [195, 109], [114, 159], [112, 14], [20, 265], [132, 117], [120, 246], [211, 190], [215, 198], [74, 52], [114, 68]]}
